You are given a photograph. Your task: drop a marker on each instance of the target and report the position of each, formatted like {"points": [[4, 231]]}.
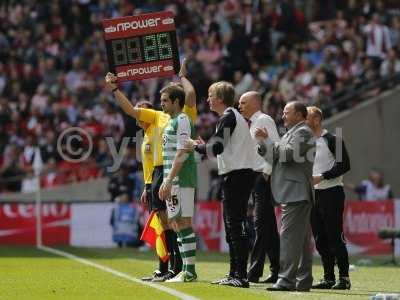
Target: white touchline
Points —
{"points": [[165, 289]]}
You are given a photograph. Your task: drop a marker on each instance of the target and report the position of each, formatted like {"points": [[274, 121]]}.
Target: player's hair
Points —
{"points": [[313, 110], [174, 91], [225, 91]]}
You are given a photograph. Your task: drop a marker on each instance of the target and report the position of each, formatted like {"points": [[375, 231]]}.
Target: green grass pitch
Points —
{"points": [[29, 273]]}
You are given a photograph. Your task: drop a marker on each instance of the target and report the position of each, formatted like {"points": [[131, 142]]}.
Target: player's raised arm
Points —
{"points": [[190, 93], [123, 102]]}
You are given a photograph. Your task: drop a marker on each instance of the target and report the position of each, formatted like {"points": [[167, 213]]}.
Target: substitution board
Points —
{"points": [[143, 46]]}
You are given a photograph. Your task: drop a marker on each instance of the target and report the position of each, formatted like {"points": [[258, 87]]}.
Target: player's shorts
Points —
{"points": [[181, 202], [155, 203]]}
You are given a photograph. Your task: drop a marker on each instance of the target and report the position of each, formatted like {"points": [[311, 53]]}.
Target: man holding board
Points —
{"points": [[141, 47]]}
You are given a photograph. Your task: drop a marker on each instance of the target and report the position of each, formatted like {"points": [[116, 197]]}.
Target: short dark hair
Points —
{"points": [[174, 91], [225, 91], [300, 107]]}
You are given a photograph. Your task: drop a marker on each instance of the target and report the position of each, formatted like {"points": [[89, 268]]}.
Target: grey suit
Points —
{"points": [[291, 181]]}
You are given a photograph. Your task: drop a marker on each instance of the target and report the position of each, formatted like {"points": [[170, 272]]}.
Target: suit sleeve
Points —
{"points": [[296, 149], [342, 161], [218, 141]]}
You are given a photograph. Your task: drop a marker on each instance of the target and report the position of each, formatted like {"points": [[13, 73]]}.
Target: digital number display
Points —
{"points": [[138, 50], [143, 46]]}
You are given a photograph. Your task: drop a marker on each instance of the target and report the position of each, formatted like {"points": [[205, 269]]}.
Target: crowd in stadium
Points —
{"points": [[53, 62]]}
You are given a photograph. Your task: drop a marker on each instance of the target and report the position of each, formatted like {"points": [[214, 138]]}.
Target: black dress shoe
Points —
{"points": [[324, 284], [278, 288], [253, 279], [270, 279], [342, 284]]}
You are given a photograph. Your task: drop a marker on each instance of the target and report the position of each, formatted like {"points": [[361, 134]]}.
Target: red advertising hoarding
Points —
{"points": [[18, 224], [208, 224], [362, 221]]}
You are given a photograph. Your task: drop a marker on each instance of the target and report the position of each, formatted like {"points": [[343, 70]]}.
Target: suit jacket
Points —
{"points": [[292, 160]]}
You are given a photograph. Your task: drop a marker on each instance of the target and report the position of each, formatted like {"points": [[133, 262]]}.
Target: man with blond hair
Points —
{"points": [[331, 162], [234, 149]]}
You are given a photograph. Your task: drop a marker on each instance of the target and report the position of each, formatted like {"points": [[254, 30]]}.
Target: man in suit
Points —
{"points": [[292, 187], [267, 236]]}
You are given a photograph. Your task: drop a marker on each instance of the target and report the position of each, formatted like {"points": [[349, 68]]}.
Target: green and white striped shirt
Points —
{"points": [[177, 131]]}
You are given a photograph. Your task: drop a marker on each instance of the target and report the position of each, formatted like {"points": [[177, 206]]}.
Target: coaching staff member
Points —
{"points": [[291, 183], [267, 236], [233, 146], [330, 164]]}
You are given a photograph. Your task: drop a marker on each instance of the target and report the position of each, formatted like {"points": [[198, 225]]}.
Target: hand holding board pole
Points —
{"points": [[141, 47]]}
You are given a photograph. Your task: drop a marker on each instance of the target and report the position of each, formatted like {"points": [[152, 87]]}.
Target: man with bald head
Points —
{"points": [[292, 160], [267, 237]]}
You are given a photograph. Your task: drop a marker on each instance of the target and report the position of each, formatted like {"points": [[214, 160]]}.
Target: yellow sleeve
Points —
{"points": [[147, 161], [191, 112], [147, 115]]}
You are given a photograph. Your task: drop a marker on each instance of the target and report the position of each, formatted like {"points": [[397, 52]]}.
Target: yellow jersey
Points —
{"points": [[151, 148]]}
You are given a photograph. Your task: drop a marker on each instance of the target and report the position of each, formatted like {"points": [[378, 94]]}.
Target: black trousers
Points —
{"points": [[267, 236], [155, 203], [237, 186], [327, 227]]}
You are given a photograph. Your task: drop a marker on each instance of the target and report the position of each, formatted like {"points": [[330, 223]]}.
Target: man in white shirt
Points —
{"points": [[378, 38], [232, 145], [331, 162], [267, 237]]}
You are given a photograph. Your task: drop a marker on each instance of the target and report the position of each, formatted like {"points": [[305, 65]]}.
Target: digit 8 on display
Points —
{"points": [[129, 51]]}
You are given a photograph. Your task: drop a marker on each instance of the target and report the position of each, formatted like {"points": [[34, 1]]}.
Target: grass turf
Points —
{"points": [[28, 273]]}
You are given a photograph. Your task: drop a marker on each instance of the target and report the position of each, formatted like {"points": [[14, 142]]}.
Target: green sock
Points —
{"points": [[188, 240]]}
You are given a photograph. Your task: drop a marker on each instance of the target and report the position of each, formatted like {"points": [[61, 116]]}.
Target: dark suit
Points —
{"points": [[291, 183], [267, 236]]}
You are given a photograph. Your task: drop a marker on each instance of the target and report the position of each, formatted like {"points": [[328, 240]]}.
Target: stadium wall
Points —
{"points": [[372, 134]]}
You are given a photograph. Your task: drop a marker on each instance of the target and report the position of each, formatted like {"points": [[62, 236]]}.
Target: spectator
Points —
{"points": [[391, 65], [125, 222], [51, 69], [373, 188], [120, 185], [378, 38]]}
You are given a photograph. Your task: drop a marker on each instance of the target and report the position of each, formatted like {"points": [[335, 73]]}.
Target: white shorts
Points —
{"points": [[181, 202]]}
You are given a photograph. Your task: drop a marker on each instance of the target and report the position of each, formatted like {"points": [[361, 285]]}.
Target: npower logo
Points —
{"points": [[367, 222], [144, 70], [27, 211], [147, 23]]}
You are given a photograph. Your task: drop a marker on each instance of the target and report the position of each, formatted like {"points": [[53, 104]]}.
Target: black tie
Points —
{"points": [[248, 123]]}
